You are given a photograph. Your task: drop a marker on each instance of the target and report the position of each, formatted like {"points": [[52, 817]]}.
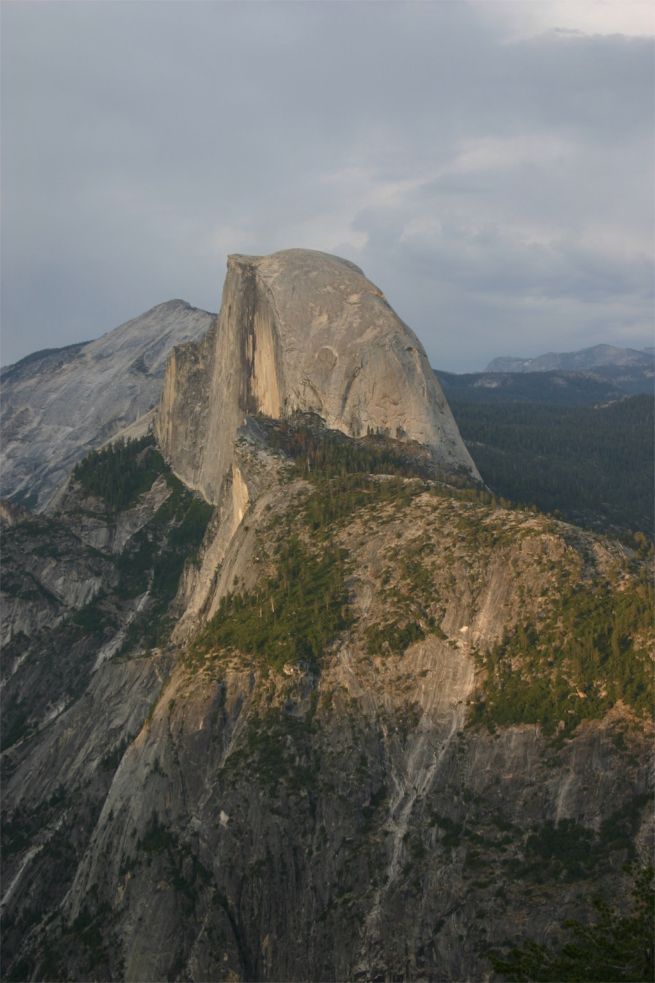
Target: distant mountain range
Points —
{"points": [[620, 370], [585, 360], [552, 388]]}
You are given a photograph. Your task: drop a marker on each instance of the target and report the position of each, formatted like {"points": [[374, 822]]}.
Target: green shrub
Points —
{"points": [[336, 499]]}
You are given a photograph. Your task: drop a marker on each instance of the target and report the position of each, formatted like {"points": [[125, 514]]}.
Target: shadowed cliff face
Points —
{"points": [[300, 331]]}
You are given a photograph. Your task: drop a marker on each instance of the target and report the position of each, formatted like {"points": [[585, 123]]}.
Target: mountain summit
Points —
{"points": [[300, 331], [60, 403]]}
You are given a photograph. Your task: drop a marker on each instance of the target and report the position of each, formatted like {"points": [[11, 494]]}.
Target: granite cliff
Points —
{"points": [[299, 699], [300, 332]]}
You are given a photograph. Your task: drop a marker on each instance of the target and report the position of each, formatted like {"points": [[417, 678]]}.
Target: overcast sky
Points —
{"points": [[489, 165]]}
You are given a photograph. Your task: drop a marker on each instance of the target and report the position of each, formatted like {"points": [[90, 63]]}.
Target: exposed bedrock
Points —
{"points": [[59, 404], [300, 331]]}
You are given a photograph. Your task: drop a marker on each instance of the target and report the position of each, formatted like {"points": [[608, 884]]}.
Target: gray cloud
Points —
{"points": [[498, 190]]}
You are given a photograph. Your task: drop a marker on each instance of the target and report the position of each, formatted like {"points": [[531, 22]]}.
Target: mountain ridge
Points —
{"points": [[555, 387], [584, 359], [59, 403]]}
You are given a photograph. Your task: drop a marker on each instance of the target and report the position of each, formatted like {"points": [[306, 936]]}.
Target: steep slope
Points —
{"points": [[325, 780], [58, 404], [300, 331]]}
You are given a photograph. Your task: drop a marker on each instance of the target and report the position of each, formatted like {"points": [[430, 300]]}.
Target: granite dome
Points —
{"points": [[300, 331]]}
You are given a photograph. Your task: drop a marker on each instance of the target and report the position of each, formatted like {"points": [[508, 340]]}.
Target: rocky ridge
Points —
{"points": [[585, 360], [60, 403], [625, 369]]}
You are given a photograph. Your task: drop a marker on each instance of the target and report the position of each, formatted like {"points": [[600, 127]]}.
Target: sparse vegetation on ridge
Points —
{"points": [[120, 472], [155, 556], [281, 621], [336, 499], [410, 605], [296, 612], [291, 617], [589, 654], [323, 453]]}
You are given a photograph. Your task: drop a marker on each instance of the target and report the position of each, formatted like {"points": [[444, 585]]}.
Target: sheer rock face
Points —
{"points": [[300, 331], [59, 404]]}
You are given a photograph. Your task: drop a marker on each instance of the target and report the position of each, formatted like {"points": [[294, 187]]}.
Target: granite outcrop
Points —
{"points": [[58, 404], [300, 331]]}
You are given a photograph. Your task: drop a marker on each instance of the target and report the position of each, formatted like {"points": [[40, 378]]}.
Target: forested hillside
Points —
{"points": [[592, 464], [557, 388]]}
